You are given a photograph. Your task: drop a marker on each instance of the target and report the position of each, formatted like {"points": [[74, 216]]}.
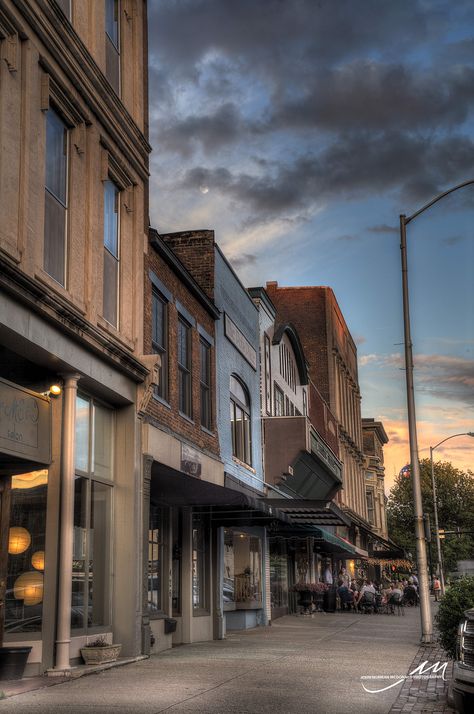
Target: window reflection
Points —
{"points": [[242, 571], [26, 553]]}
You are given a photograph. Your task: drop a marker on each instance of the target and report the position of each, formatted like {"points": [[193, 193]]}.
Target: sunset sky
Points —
{"points": [[299, 130]]}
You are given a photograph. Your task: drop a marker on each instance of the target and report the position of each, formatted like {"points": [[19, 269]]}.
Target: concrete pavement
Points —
{"points": [[299, 664]]}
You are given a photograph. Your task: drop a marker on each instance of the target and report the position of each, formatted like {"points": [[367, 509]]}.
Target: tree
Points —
{"points": [[458, 598], [455, 491]]}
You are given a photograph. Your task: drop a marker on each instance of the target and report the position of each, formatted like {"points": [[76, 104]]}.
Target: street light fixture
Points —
{"points": [[425, 608], [435, 506]]}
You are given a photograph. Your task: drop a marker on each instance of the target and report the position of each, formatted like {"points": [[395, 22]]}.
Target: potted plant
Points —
{"points": [[309, 593], [100, 651]]}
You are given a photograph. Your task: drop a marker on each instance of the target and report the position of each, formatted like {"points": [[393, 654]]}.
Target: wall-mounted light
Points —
{"points": [[55, 390], [19, 540]]}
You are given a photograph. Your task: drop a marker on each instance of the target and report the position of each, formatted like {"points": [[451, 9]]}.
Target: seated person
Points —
{"points": [[346, 596], [410, 595], [368, 588]]}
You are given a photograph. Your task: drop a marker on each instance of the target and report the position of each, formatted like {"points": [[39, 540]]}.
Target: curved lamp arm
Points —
{"points": [[464, 433], [435, 200]]}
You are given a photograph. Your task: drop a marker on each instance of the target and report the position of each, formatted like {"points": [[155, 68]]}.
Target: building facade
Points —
{"points": [[73, 185], [374, 439], [332, 357]]}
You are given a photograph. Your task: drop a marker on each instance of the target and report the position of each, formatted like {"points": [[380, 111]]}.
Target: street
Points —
{"points": [[299, 664]]}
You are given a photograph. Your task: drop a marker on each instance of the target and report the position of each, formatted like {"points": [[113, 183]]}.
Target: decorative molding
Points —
{"points": [[53, 88]]}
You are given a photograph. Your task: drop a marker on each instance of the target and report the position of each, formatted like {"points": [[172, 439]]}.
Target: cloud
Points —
{"points": [[453, 240], [243, 260], [383, 228]]}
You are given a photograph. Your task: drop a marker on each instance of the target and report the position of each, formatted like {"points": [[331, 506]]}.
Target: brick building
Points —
{"points": [[332, 357], [73, 184]]}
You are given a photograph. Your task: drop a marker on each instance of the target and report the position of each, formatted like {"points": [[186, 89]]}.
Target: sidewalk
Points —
{"points": [[299, 664]]}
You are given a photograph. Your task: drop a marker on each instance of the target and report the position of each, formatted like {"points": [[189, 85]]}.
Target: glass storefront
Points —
{"points": [[278, 574], [26, 553], [242, 571]]}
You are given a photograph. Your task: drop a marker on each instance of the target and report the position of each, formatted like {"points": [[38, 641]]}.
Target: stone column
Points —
{"points": [[66, 530]]}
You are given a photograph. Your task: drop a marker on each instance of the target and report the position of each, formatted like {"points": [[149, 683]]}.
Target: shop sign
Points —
{"points": [[239, 340], [25, 423], [190, 461]]}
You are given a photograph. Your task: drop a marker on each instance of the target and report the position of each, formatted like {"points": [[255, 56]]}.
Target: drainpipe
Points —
{"points": [[68, 454]]}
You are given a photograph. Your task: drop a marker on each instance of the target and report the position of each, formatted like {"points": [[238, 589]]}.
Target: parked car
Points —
{"points": [[463, 670]]}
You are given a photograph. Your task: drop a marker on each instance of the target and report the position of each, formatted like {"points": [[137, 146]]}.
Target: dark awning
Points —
{"points": [[311, 511], [310, 479]]}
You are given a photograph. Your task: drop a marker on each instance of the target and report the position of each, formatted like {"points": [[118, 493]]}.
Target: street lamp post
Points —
{"points": [[425, 609], [435, 505]]}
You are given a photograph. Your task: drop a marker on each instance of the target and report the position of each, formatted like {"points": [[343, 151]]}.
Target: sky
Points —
{"points": [[299, 131]]}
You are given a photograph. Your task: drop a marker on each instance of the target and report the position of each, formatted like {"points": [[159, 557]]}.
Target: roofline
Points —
{"points": [[261, 294], [165, 252], [216, 246], [377, 426]]}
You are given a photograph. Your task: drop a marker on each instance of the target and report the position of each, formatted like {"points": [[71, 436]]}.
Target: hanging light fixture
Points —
{"points": [[19, 540], [29, 588], [37, 560]]}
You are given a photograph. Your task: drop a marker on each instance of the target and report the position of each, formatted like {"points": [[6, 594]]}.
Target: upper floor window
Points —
{"points": [[184, 367], [65, 6], [112, 43], [370, 506], [279, 402], [205, 383], [159, 340], [240, 421], [56, 197], [111, 253], [268, 376]]}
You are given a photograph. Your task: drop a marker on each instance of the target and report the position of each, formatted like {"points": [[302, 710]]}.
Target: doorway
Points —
{"points": [[5, 489]]}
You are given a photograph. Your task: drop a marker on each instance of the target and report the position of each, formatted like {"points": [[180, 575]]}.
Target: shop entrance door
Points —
{"points": [[5, 485]]}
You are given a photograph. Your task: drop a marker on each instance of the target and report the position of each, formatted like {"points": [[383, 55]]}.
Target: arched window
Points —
{"points": [[240, 421]]}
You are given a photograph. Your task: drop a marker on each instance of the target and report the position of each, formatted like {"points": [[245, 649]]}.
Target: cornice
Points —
{"points": [[77, 64], [69, 320]]}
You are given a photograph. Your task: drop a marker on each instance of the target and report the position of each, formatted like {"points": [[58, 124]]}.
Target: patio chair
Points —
{"points": [[367, 603], [395, 603]]}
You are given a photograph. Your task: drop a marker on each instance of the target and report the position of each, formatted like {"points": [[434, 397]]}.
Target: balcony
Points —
{"points": [[298, 461]]}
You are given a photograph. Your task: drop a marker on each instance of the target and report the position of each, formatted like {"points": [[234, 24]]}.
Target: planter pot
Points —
{"points": [[100, 655], [304, 599], [318, 599], [13, 662]]}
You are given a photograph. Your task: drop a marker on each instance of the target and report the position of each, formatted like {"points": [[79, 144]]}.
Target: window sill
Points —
{"points": [[115, 333], [208, 431], [160, 615], [161, 401], [186, 417], [243, 464]]}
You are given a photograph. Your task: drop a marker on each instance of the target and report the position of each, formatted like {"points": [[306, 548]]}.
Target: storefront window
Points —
{"points": [[199, 572], [90, 600], [176, 522], [155, 550], [278, 574], [26, 553], [242, 571]]}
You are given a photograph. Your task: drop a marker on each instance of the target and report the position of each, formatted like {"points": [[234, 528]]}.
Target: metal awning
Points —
{"points": [[310, 479], [316, 512], [334, 543]]}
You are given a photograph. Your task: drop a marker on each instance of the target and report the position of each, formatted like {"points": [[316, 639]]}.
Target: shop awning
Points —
{"points": [[310, 511], [332, 543]]}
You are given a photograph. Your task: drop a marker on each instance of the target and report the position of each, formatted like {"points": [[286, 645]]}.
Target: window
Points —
{"points": [[242, 571], [155, 557], [279, 402], [205, 385], [90, 605], [268, 376], [159, 339], [199, 564], [55, 210], [370, 506], [184, 367], [305, 403], [112, 44], [240, 421], [111, 253]]}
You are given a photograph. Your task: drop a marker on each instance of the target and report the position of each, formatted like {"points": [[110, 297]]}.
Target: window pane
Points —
{"points": [[82, 433], [205, 363], [246, 436], [110, 288], [111, 20], [238, 391], [158, 321], [205, 407], [199, 564], [112, 64], [103, 425], [242, 569], [183, 347], [99, 555], [239, 431], [54, 238], [56, 156], [25, 565], [111, 194], [79, 575]]}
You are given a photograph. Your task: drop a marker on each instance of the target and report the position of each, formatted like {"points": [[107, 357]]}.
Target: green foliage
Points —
{"points": [[459, 597], [455, 490]]}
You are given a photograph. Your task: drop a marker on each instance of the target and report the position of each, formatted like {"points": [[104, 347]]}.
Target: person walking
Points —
{"points": [[436, 588]]}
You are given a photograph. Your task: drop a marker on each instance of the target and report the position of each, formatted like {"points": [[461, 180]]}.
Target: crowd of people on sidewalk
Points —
{"points": [[370, 596]]}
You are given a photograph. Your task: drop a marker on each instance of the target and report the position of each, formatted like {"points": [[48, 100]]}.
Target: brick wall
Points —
{"points": [[323, 420], [168, 417], [195, 249]]}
